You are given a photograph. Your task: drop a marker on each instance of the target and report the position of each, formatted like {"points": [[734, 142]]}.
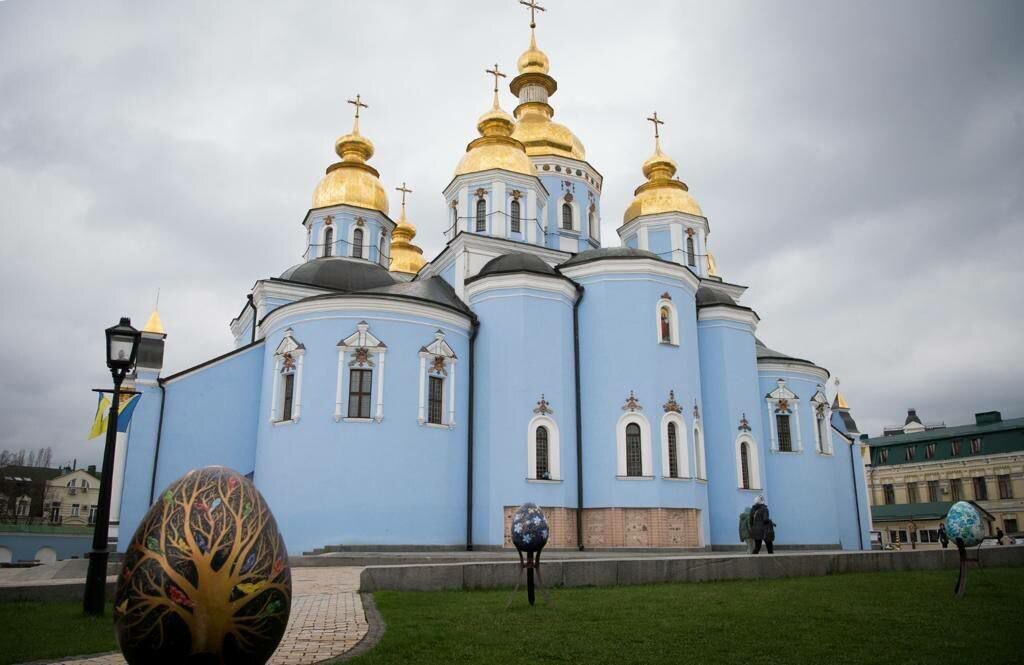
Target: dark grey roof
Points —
{"points": [[848, 421], [432, 289], [912, 418], [517, 262], [340, 274], [941, 433], [707, 296], [764, 353], [611, 253]]}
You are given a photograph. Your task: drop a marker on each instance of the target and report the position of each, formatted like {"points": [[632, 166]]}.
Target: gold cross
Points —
{"points": [[358, 103], [405, 190], [654, 119], [534, 8], [496, 73]]}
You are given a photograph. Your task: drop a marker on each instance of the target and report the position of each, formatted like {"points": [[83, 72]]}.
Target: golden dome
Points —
{"points": [[533, 60], [405, 256], [352, 181], [662, 192], [154, 324], [534, 127], [495, 148]]}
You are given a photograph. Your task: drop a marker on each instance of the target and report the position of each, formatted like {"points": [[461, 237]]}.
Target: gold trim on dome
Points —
{"points": [[662, 192], [405, 256], [495, 148], [352, 181]]}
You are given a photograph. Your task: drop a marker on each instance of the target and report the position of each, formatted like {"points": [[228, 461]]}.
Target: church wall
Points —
{"points": [[393, 482], [583, 196], [209, 419], [620, 352], [848, 491], [660, 242], [801, 484], [730, 389], [524, 349]]}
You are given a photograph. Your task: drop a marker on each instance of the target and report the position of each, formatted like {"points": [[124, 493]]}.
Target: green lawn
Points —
{"points": [[34, 631], [877, 618]]}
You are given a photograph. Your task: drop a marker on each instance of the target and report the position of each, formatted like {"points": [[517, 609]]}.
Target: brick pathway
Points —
{"points": [[327, 619]]}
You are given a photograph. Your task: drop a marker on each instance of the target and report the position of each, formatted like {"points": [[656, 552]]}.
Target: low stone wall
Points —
{"points": [[51, 590], [619, 527], [610, 572]]}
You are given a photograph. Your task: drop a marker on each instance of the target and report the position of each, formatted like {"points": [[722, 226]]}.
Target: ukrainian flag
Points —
{"points": [[124, 414]]}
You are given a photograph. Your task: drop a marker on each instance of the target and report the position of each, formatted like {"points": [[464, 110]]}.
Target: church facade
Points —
{"points": [[380, 399]]}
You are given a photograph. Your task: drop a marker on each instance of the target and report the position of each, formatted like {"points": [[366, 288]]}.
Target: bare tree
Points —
{"points": [[45, 457], [208, 558]]}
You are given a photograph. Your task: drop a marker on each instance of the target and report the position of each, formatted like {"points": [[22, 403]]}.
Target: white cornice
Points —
{"points": [[688, 220], [567, 163], [488, 176], [344, 303], [489, 245], [729, 313], [549, 283], [637, 266], [774, 367], [352, 210], [735, 291]]}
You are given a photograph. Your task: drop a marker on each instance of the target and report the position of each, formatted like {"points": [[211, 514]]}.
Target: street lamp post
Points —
{"points": [[122, 347]]}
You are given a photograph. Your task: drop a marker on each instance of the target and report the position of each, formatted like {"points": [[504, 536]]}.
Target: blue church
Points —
{"points": [[380, 399]]}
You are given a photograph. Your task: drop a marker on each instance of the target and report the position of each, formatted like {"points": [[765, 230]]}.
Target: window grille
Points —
{"points": [[567, 217], [357, 244], [745, 465], [673, 452], [542, 469], [289, 390], [435, 400], [516, 218], [785, 437], [359, 383], [328, 242], [634, 459], [691, 256], [481, 215]]}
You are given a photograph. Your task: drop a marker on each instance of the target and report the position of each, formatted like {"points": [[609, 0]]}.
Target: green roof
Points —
{"points": [[901, 512], [940, 433]]}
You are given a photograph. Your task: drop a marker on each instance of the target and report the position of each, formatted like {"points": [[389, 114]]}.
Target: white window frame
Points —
{"points": [[438, 348], [323, 240], [593, 225], [822, 429], [753, 463], [673, 322], [700, 459], [683, 449], [376, 350], [646, 468], [297, 350], [575, 215], [772, 401], [352, 243], [554, 449]]}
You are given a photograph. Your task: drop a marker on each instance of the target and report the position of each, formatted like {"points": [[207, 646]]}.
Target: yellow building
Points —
{"points": [[72, 497], [918, 471]]}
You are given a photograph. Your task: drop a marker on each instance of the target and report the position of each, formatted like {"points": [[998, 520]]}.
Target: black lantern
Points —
{"points": [[122, 345]]}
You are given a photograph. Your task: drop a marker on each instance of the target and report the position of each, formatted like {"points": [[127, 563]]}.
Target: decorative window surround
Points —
{"points": [[291, 352], [665, 302], [753, 463], [554, 446], [437, 359], [682, 449], [822, 417], [633, 414], [575, 216], [367, 352], [782, 400]]}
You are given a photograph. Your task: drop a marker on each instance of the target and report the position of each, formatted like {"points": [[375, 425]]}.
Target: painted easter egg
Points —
{"points": [[205, 577], [529, 528], [963, 521]]}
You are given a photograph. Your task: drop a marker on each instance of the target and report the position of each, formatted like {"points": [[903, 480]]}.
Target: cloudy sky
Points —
{"points": [[861, 164]]}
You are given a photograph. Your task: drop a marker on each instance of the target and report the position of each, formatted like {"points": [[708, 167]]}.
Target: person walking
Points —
{"points": [[762, 529], [943, 536], [999, 536]]}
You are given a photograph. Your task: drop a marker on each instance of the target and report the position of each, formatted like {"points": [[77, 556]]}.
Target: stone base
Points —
{"points": [[619, 527]]}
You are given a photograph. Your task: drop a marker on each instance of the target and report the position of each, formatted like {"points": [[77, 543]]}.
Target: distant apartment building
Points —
{"points": [[918, 471], [72, 497]]}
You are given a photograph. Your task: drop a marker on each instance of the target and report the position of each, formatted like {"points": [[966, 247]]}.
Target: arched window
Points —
{"points": [[481, 215], [666, 321], [691, 258], [634, 452], [567, 217], [785, 435], [381, 251], [516, 220], [593, 225], [543, 468], [666, 325], [673, 451], [744, 466], [357, 243], [287, 392], [328, 241]]}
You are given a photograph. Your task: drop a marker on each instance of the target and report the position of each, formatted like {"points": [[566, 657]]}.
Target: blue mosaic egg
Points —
{"points": [[529, 528], [964, 522]]}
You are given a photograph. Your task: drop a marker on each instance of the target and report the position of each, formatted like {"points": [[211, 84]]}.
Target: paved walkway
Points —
{"points": [[327, 619]]}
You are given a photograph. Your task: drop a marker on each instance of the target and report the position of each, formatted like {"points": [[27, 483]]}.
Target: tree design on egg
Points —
{"points": [[206, 574]]}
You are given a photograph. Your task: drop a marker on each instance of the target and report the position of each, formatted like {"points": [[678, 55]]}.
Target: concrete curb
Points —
{"points": [[50, 590], [374, 631], [624, 571]]}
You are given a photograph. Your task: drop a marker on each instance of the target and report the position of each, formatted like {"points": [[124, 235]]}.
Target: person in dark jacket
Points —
{"points": [[762, 529], [943, 536]]}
